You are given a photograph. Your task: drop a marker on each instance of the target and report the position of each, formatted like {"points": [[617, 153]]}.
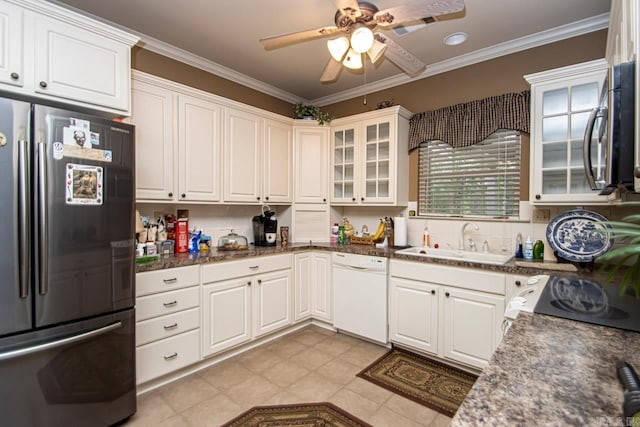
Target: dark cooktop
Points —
{"points": [[589, 301]]}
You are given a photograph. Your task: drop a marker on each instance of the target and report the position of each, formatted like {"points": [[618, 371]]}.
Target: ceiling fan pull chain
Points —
{"points": [[364, 72]]}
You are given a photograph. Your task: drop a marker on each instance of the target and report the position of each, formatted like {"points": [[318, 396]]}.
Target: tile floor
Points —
{"points": [[309, 365]]}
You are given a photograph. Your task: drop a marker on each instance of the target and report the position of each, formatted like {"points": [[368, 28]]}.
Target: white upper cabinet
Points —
{"points": [[311, 151], [369, 158], [153, 114], [199, 147], [561, 101], [277, 162], [242, 162], [11, 45], [53, 53]]}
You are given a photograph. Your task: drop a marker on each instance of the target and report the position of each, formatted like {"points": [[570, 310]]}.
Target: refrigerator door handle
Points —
{"points": [[25, 210], [42, 218], [59, 343]]}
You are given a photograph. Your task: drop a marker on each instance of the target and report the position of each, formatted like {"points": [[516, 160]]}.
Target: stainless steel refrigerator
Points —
{"points": [[67, 327]]}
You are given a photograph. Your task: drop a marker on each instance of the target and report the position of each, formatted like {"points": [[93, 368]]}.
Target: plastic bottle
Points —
{"points": [[528, 249], [519, 253], [425, 237], [538, 251], [334, 233], [342, 237]]}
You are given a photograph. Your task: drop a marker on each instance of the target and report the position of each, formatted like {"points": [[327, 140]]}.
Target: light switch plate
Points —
{"points": [[541, 215]]}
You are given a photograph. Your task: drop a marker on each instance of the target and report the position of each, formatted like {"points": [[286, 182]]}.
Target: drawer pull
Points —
{"points": [[171, 356], [169, 327], [254, 267], [170, 304], [172, 280]]}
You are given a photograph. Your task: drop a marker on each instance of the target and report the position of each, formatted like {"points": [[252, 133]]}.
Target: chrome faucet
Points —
{"points": [[462, 231]]}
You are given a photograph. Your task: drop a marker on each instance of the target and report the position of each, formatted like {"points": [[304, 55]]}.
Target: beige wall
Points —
{"points": [[161, 66], [477, 81]]}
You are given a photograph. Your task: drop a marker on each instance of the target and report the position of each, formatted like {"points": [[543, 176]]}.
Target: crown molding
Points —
{"points": [[563, 32]]}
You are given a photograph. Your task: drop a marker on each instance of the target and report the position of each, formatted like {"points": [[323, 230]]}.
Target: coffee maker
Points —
{"points": [[265, 228]]}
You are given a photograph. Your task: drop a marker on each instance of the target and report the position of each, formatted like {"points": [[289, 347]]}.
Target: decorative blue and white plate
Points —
{"points": [[576, 236]]}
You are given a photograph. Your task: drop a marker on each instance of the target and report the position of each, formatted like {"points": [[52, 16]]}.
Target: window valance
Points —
{"points": [[469, 123]]}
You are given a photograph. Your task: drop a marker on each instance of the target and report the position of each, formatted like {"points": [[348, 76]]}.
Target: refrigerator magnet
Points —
{"points": [[58, 150], [84, 185]]}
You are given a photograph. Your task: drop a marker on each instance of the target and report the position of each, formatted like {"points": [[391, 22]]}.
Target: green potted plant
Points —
{"points": [[626, 231], [303, 111]]}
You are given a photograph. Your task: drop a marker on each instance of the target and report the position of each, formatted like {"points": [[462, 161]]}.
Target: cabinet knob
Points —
{"points": [[15, 76], [518, 283], [362, 199], [324, 200], [447, 294], [249, 283], [43, 84], [433, 291], [353, 198], [258, 198], [266, 198], [259, 281], [183, 195], [170, 194], [538, 197]]}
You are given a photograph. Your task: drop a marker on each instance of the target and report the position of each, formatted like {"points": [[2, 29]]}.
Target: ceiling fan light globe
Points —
{"points": [[376, 51], [353, 60], [338, 47], [362, 39]]}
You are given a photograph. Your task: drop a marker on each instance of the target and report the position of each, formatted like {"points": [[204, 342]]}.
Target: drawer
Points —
{"points": [[232, 269], [164, 356], [466, 278], [166, 280], [167, 303], [167, 326]]}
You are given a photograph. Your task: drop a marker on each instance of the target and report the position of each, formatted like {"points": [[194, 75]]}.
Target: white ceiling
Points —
{"points": [[222, 36]]}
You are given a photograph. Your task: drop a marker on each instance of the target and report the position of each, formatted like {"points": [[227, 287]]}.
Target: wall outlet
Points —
{"points": [[541, 215]]}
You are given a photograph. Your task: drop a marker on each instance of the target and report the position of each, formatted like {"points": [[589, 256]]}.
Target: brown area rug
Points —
{"points": [[421, 379], [298, 415]]}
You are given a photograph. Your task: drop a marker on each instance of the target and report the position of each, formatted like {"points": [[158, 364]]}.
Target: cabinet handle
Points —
{"points": [[170, 194], [254, 267], [447, 294], [43, 84], [15, 76], [518, 283], [172, 280], [538, 197], [170, 304], [183, 195], [259, 281], [171, 356], [169, 327], [433, 291]]}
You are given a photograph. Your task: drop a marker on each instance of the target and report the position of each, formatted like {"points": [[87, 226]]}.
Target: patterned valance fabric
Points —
{"points": [[467, 124]]}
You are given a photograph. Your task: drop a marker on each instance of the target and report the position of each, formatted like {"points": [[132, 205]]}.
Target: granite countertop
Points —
{"points": [[181, 260], [551, 372]]}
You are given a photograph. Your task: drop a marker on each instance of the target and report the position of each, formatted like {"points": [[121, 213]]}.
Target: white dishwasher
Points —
{"points": [[360, 295]]}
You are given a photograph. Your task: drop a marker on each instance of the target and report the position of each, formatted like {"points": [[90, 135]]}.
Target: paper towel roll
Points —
{"points": [[400, 231]]}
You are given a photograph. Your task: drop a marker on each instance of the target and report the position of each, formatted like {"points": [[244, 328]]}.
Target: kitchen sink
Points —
{"points": [[457, 255]]}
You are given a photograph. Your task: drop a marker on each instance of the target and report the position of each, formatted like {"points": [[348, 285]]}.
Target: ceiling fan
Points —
{"points": [[355, 23]]}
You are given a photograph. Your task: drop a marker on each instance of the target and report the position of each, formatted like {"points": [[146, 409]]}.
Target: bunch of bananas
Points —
{"points": [[380, 231]]}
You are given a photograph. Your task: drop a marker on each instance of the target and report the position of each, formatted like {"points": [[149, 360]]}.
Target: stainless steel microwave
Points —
{"points": [[608, 149]]}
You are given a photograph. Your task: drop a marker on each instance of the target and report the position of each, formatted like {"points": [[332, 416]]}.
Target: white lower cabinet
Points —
{"points": [[312, 296], [455, 314], [243, 300], [167, 321]]}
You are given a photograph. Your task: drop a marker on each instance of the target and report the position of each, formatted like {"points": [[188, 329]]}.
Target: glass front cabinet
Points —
{"points": [[561, 102], [370, 158]]}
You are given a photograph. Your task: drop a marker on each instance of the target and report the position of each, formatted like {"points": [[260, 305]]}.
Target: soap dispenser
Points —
{"points": [[528, 249], [519, 254]]}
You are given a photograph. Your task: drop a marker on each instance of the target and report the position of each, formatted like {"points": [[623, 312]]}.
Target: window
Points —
{"points": [[479, 180]]}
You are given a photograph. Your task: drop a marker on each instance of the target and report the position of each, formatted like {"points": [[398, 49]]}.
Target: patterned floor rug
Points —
{"points": [[420, 379], [299, 415]]}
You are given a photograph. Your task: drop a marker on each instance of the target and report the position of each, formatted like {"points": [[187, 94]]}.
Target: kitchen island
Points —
{"points": [[552, 372]]}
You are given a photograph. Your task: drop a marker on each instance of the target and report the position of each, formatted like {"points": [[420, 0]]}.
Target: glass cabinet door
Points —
{"points": [[377, 162], [344, 161]]}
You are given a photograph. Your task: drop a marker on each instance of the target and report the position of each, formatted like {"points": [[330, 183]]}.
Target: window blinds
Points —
{"points": [[478, 180]]}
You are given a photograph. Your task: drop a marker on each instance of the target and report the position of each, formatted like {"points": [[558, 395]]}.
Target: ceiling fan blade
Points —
{"points": [[401, 57], [282, 40], [349, 8], [415, 10], [331, 71]]}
